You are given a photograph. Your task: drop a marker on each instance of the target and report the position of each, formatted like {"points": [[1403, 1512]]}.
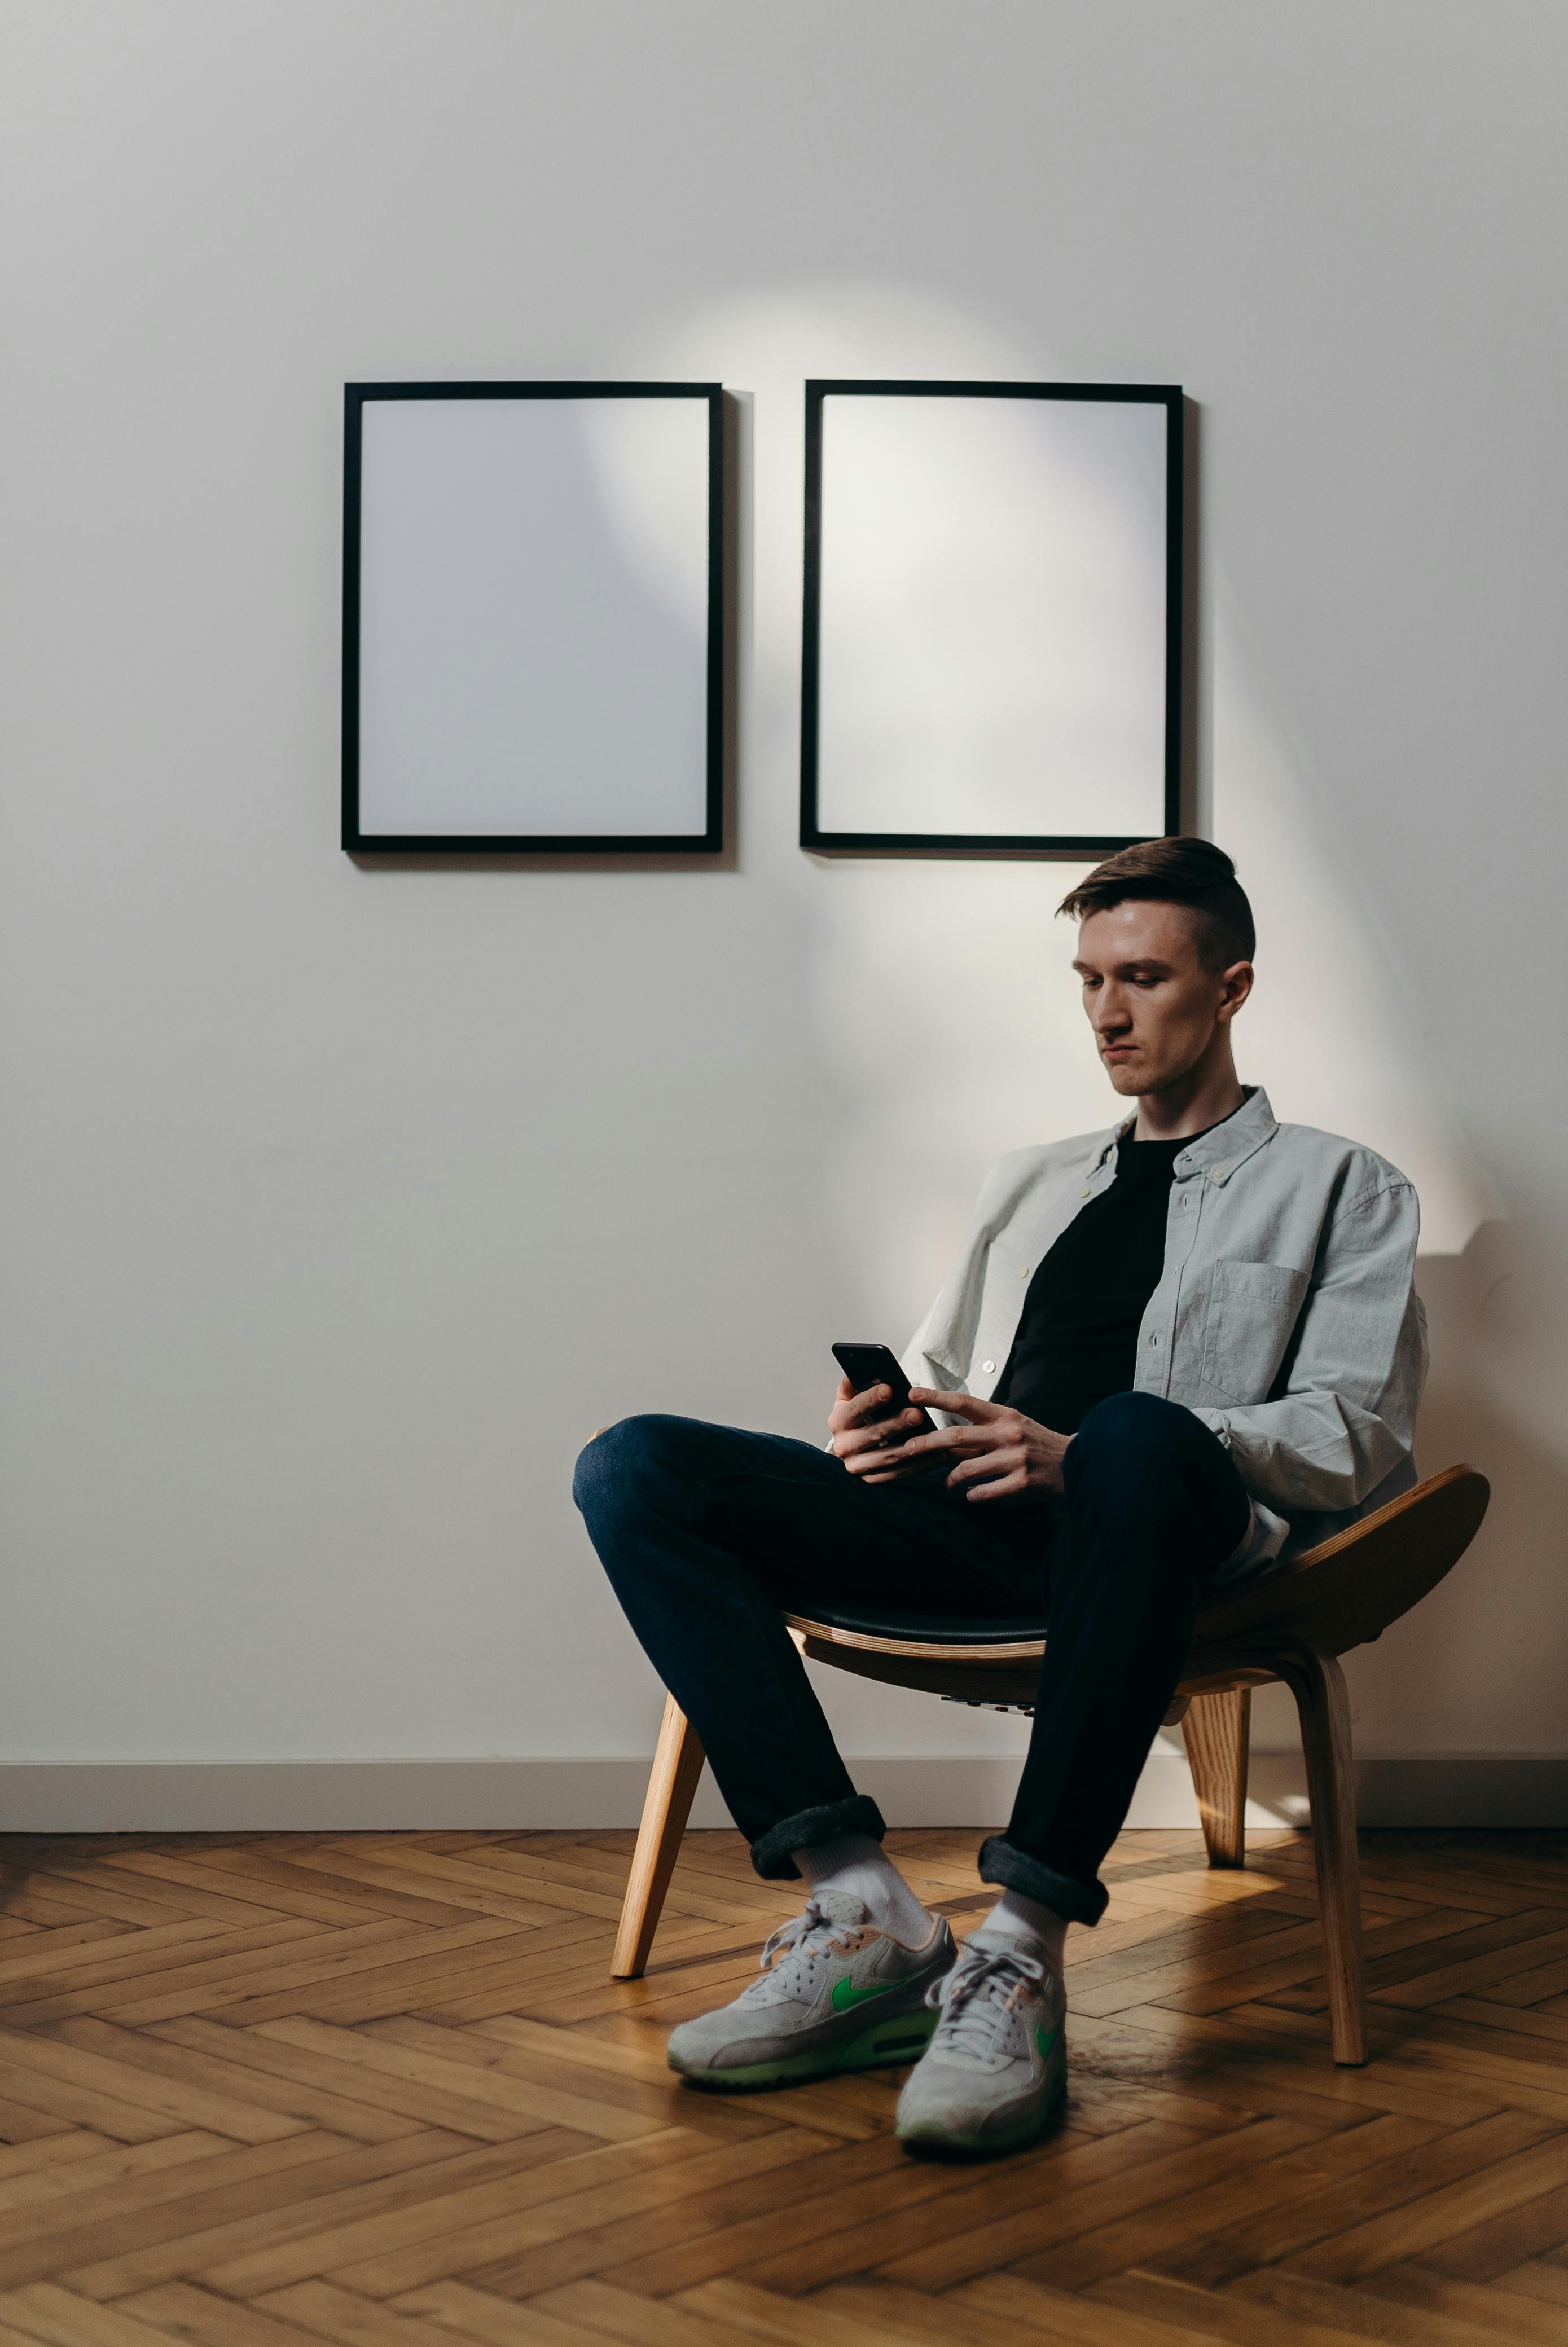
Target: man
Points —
{"points": [[1169, 1353]]}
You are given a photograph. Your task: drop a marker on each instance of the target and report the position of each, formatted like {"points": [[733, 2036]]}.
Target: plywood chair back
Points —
{"points": [[1290, 1625]]}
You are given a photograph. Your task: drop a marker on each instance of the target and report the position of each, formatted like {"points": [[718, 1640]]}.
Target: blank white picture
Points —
{"points": [[534, 617], [992, 642]]}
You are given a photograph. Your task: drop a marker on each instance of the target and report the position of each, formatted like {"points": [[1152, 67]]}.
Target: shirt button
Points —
{"points": [[1154, 1340], [988, 1367]]}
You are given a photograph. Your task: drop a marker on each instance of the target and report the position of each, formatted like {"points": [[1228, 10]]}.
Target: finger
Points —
{"points": [[1009, 1487], [968, 1442], [956, 1405], [880, 1433], [989, 1464], [872, 1453], [861, 1406], [869, 1459]]}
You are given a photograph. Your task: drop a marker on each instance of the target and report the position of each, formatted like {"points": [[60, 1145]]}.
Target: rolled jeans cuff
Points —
{"points": [[772, 1852], [1014, 1870]]}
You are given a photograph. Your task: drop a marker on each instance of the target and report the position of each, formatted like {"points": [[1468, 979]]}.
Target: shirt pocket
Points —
{"points": [[1253, 1311]]}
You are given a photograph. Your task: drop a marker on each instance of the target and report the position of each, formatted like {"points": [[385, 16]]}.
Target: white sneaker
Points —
{"points": [[996, 2068], [836, 1994]]}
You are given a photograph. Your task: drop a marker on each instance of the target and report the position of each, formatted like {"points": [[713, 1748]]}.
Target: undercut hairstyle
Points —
{"points": [[1191, 872]]}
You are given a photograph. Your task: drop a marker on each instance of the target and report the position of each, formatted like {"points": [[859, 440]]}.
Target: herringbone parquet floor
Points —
{"points": [[267, 2091]]}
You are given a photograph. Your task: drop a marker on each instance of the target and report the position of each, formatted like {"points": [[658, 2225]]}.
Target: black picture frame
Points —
{"points": [[356, 840], [820, 841]]}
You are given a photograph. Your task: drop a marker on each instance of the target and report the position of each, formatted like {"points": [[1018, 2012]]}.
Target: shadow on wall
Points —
{"points": [[1482, 1657], [1476, 1671]]}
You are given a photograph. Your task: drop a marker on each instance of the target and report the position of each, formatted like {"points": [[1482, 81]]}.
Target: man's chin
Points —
{"points": [[1128, 1079]]}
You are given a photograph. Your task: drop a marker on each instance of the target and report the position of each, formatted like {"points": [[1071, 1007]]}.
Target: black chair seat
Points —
{"points": [[932, 1629]]}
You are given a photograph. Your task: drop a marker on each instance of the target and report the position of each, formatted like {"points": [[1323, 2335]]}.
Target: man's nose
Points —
{"points": [[1109, 1010]]}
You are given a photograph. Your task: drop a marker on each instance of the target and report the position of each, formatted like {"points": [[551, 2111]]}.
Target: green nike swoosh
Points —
{"points": [[846, 1996], [1045, 2043]]}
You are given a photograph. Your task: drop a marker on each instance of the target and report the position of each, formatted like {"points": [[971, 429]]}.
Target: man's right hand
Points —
{"points": [[860, 1442]]}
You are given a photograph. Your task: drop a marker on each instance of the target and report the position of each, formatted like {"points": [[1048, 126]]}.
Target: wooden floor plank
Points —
{"points": [[675, 2248], [1184, 2310], [318, 2308], [284, 1941], [1328, 2215], [1436, 2215], [452, 2228], [505, 2253], [431, 2105], [1488, 2250], [621, 2314], [497, 2321], [1038, 2312], [45, 2312], [181, 2311], [341, 2114], [480, 2082], [59, 2147], [167, 2203], [383, 1978], [108, 2164], [749, 2313], [399, 2178], [147, 1899], [473, 1896], [134, 2082], [20, 2122], [1537, 2279], [298, 1890], [909, 2314], [1507, 2313], [1178, 2224], [78, 1945], [1355, 2312], [1000, 2242]]}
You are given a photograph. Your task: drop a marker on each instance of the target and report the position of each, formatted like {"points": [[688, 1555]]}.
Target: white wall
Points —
{"points": [[341, 1204]]}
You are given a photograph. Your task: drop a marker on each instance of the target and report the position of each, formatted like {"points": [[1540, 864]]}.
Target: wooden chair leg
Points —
{"points": [[1217, 1730], [1318, 1683], [671, 1789]]}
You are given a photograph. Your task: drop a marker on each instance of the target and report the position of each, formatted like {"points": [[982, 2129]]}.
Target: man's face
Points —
{"points": [[1154, 1009]]}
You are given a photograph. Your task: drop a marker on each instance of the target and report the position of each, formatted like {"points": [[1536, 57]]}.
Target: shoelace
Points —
{"points": [[796, 1945], [977, 1998]]}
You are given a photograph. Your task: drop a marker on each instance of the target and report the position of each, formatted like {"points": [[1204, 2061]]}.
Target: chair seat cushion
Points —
{"points": [[932, 1629]]}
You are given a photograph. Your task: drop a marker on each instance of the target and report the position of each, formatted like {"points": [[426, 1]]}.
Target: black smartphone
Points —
{"points": [[878, 1365]]}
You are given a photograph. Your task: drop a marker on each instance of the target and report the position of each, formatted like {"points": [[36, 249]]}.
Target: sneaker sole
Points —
{"points": [[933, 2142], [886, 2047]]}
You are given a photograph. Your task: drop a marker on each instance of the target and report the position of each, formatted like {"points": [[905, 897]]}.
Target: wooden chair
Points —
{"points": [[1292, 1624]]}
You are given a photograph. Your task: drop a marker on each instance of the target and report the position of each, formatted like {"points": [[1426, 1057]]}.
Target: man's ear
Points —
{"points": [[1235, 985]]}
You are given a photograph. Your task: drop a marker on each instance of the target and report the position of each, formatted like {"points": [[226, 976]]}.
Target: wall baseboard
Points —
{"points": [[387, 1796]]}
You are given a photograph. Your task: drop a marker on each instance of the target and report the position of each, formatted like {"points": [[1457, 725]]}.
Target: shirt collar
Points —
{"points": [[1224, 1147]]}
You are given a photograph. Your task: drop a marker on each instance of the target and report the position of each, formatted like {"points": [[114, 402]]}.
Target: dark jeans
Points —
{"points": [[706, 1533]]}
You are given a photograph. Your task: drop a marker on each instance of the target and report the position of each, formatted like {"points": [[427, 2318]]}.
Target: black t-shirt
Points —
{"points": [[1077, 1340]]}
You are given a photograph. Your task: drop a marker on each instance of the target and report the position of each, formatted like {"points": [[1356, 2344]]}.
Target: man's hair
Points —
{"points": [[1191, 872]]}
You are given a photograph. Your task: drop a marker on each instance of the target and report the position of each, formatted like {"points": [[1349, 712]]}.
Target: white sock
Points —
{"points": [[857, 1863], [1020, 1917]]}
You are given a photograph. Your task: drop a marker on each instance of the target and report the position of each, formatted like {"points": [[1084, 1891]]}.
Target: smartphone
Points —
{"points": [[878, 1365]]}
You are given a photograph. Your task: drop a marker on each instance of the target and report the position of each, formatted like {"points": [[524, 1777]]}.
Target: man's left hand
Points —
{"points": [[1000, 1453]]}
